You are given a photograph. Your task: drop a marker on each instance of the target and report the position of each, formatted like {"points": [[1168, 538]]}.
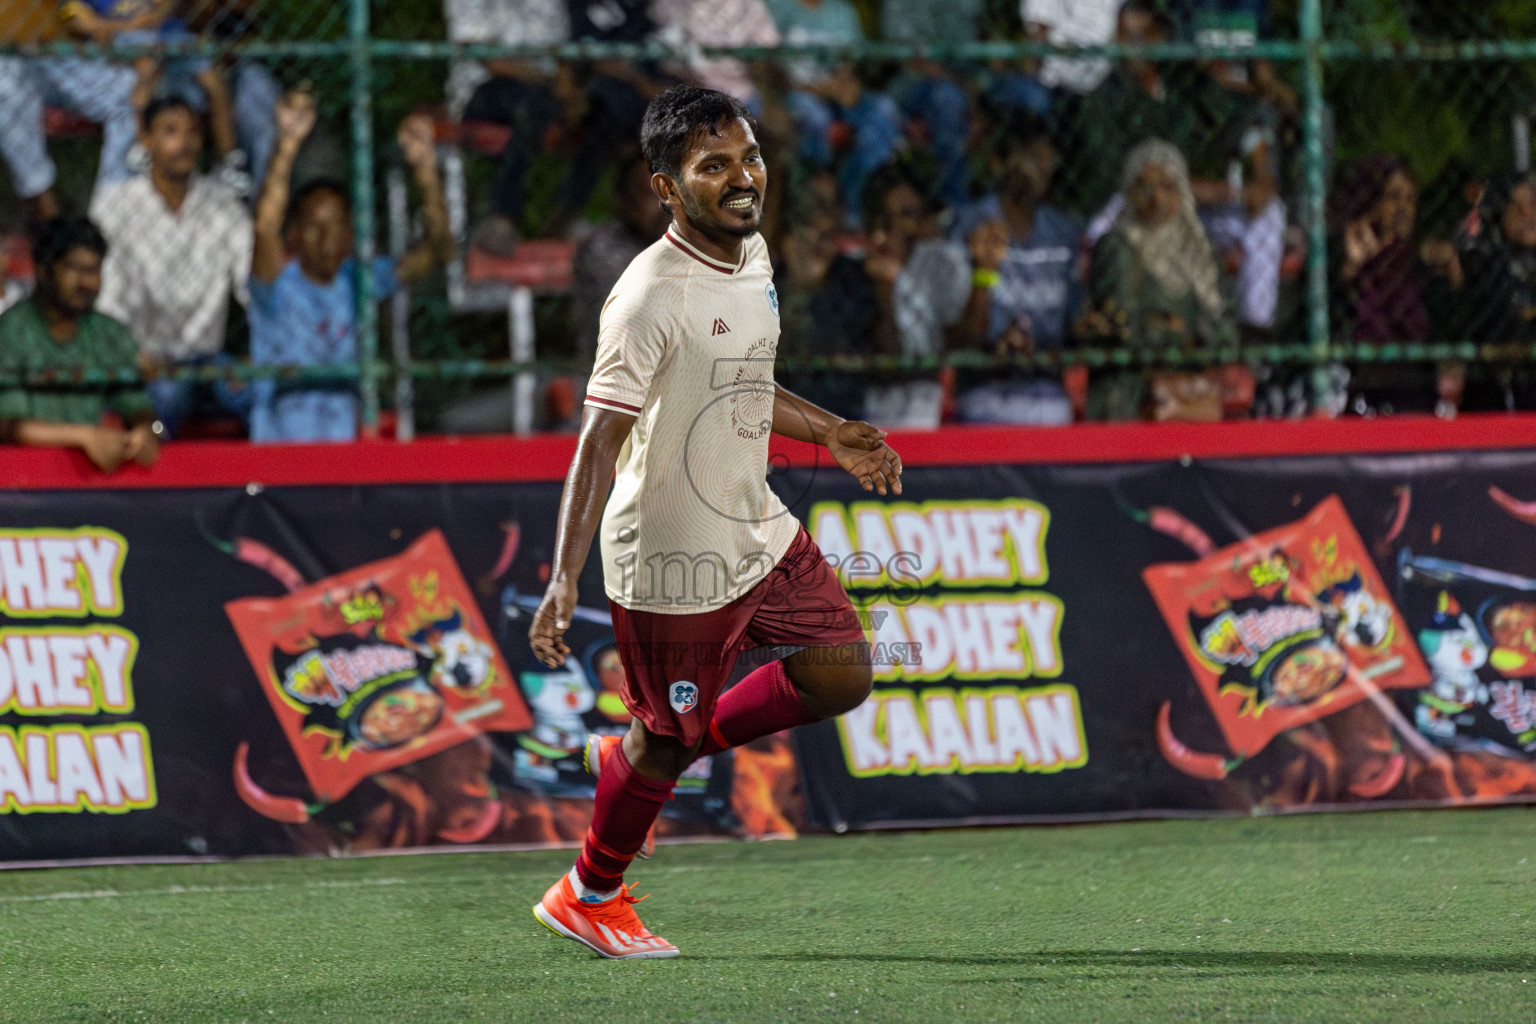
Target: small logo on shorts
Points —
{"points": [[683, 696]]}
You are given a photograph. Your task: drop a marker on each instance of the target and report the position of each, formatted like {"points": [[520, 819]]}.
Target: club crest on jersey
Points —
{"points": [[683, 696], [773, 299]]}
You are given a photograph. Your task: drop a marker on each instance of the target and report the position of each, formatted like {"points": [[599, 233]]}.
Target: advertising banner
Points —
{"points": [[332, 669]]}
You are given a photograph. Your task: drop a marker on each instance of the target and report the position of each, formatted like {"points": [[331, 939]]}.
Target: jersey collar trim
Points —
{"points": [[708, 261]]}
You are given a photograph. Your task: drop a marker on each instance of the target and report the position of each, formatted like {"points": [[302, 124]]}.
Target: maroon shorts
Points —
{"points": [[676, 665]]}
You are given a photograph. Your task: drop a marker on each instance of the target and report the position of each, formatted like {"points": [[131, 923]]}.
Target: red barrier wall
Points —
{"points": [[547, 457]]}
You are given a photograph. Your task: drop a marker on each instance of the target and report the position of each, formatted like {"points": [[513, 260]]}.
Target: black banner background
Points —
{"points": [[198, 698]]}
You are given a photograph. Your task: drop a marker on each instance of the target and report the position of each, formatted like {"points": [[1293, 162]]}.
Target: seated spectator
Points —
{"points": [[824, 94], [893, 299], [139, 22], [180, 246], [1133, 103], [545, 104], [1389, 287], [58, 330], [603, 255], [303, 308], [97, 89], [1021, 259], [1155, 280]]}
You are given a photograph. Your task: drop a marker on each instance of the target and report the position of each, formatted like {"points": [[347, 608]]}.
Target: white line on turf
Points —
{"points": [[195, 890]]}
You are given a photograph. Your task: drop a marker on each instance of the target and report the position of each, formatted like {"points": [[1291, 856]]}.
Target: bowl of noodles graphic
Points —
{"points": [[395, 714], [1304, 672]]}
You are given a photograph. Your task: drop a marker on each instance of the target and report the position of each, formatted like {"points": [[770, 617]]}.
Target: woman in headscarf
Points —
{"points": [[1155, 280], [1389, 286]]}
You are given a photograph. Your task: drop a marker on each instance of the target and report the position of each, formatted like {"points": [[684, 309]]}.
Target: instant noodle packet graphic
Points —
{"points": [[379, 666], [1286, 627]]}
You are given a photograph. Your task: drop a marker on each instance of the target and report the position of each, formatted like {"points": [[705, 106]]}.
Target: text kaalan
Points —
{"points": [[75, 669], [949, 591]]}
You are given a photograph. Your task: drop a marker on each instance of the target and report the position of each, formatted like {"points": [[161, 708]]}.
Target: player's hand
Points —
{"points": [[547, 634], [860, 449]]}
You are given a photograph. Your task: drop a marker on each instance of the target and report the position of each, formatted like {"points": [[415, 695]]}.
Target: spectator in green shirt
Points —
{"points": [[58, 331]]}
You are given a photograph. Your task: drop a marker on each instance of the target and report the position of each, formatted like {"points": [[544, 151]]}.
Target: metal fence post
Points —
{"points": [[361, 55], [1314, 191]]}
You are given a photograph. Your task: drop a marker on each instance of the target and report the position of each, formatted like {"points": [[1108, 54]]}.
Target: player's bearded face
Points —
{"points": [[723, 180]]}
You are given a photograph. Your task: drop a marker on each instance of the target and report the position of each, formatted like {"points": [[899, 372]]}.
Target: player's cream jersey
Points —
{"points": [[686, 345]]}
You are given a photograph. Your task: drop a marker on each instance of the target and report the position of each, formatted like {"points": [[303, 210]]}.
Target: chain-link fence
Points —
{"points": [[1026, 211]]}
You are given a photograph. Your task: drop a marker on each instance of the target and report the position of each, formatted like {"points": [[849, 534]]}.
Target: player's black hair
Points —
{"points": [[160, 105], [311, 188], [678, 116], [54, 238]]}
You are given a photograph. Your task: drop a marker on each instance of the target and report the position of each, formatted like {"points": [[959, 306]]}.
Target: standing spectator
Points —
{"points": [[694, 24], [1497, 251], [1156, 281], [1071, 23], [180, 246], [97, 89], [825, 94], [137, 22], [1389, 286], [303, 309], [532, 96], [602, 255], [1133, 103], [1021, 258], [58, 330], [928, 92]]}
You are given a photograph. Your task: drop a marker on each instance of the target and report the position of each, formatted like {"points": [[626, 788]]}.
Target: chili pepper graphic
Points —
{"points": [[1177, 526], [254, 552], [1384, 781], [279, 808], [1404, 499], [1525, 511], [1194, 763]]}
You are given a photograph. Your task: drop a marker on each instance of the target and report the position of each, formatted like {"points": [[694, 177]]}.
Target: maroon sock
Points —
{"points": [[761, 704], [627, 804]]}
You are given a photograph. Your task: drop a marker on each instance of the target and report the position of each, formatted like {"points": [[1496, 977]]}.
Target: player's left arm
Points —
{"points": [[857, 446]]}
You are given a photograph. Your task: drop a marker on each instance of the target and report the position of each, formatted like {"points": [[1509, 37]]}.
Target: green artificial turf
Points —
{"points": [[1406, 916]]}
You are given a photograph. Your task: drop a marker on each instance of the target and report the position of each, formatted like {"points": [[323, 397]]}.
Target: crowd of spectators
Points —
{"points": [[920, 210]]}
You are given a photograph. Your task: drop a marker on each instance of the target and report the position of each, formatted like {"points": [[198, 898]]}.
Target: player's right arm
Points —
{"points": [[603, 432]]}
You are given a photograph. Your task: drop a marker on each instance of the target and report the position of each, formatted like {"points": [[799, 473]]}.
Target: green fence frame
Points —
{"points": [[1310, 51]]}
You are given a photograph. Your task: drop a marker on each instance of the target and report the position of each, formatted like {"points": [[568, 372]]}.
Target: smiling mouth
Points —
{"points": [[740, 203]]}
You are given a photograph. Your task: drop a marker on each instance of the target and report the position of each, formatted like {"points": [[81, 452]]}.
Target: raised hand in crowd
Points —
{"points": [[1361, 244], [295, 116], [1440, 256], [419, 151], [987, 245]]}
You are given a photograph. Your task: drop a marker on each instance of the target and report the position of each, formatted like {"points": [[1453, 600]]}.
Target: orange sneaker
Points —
{"points": [[612, 928], [592, 756]]}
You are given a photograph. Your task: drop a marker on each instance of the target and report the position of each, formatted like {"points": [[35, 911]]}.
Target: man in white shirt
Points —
{"points": [[179, 246], [1072, 23], [701, 561]]}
